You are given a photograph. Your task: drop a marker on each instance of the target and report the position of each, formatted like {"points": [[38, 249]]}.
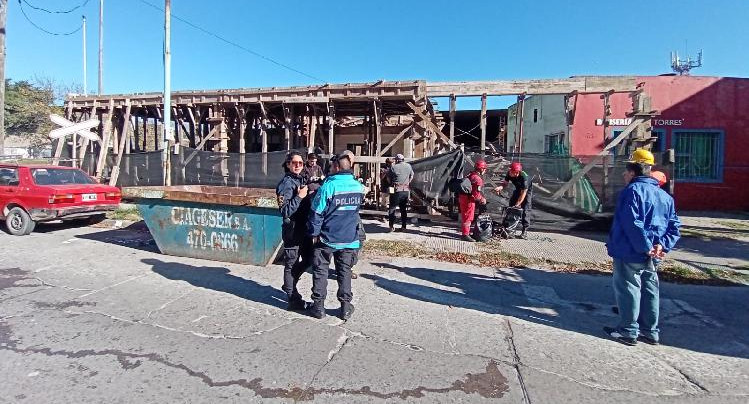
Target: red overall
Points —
{"points": [[467, 203]]}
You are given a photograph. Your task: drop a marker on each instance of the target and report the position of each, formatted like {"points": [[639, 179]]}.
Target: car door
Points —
{"points": [[8, 185]]}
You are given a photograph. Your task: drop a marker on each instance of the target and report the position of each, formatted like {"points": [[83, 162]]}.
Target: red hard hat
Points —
{"points": [[516, 167], [480, 165], [660, 176]]}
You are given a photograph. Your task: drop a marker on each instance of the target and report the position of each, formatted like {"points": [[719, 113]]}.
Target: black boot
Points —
{"points": [[347, 309], [317, 309], [468, 238], [296, 303]]}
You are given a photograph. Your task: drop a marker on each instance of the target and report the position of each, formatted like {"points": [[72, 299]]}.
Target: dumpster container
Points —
{"points": [[240, 225]]}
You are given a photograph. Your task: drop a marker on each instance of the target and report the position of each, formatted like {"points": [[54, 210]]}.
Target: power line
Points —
{"points": [[45, 30], [56, 11], [236, 45]]}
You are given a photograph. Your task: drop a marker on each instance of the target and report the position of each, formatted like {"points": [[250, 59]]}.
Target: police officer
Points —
{"points": [[522, 195], [333, 226], [294, 204]]}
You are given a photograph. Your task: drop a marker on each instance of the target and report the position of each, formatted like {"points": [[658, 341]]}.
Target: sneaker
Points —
{"points": [[316, 310], [523, 235], [617, 336], [468, 239], [392, 229], [354, 275], [347, 309], [648, 340]]}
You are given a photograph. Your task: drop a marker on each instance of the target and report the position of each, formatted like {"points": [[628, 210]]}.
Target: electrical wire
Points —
{"points": [[236, 45], [56, 11], [45, 30]]}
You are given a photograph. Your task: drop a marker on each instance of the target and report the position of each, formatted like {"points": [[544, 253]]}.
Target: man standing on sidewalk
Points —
{"points": [[333, 226], [645, 228], [401, 175]]}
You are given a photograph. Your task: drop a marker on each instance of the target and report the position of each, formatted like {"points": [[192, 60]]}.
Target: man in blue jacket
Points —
{"points": [[645, 228], [333, 226]]}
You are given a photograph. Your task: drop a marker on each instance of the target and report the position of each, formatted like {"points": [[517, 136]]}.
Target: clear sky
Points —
{"points": [[357, 41]]}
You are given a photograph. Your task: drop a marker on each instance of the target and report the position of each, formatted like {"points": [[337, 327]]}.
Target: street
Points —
{"points": [[93, 315]]}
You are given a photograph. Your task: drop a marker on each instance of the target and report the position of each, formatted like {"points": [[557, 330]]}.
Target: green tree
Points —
{"points": [[27, 109]]}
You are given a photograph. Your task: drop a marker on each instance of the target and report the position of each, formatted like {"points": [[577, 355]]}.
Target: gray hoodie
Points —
{"points": [[401, 174]]}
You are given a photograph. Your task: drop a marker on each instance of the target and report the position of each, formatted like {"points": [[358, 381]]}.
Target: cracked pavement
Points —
{"points": [[93, 315]]}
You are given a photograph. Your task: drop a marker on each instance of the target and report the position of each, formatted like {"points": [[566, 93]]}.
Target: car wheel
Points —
{"points": [[19, 222]]}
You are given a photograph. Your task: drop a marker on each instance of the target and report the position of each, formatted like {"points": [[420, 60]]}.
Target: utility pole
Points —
{"points": [[167, 139], [85, 87], [3, 15], [101, 45]]}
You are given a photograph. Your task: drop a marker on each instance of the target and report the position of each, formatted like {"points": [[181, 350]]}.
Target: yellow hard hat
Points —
{"points": [[642, 156]]}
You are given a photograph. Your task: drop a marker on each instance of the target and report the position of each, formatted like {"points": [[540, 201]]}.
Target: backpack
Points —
{"points": [[460, 186], [484, 228]]}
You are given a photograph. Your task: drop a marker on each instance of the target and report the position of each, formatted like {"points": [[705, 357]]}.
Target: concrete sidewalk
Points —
{"points": [[91, 315]]}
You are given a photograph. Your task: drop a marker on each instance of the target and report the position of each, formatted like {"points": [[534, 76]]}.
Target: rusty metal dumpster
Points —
{"points": [[240, 225]]}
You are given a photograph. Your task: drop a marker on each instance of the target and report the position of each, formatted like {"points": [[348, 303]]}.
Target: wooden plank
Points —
{"points": [[211, 134], [123, 136], [395, 140], [483, 124], [376, 110], [431, 125], [452, 117], [331, 127], [635, 122], [582, 84], [105, 139], [61, 141]]}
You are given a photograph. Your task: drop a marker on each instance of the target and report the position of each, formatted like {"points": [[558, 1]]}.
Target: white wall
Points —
{"points": [[551, 119]]}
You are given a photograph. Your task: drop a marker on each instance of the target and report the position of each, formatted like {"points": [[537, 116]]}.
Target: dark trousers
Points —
{"points": [[527, 206], [296, 260], [399, 200], [343, 260]]}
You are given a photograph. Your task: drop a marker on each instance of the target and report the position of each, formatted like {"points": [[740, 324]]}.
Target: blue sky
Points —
{"points": [[356, 41]]}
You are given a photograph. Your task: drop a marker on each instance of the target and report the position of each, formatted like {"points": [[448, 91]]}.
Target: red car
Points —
{"points": [[30, 194]]}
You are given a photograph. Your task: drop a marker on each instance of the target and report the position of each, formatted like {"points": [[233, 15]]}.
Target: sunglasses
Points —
{"points": [[296, 163]]}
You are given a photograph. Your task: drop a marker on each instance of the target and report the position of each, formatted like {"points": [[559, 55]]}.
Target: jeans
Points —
{"points": [[399, 200], [527, 206], [636, 292]]}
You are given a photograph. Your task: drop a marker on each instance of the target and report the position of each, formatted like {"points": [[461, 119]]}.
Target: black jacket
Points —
{"points": [[294, 210]]}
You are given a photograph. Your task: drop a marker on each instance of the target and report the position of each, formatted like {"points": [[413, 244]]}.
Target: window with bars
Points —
{"points": [[699, 155]]}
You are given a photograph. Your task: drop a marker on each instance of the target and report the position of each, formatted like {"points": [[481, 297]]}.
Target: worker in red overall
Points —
{"points": [[468, 202]]}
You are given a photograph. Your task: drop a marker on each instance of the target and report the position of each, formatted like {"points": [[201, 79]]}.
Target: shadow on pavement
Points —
{"points": [[218, 279], [135, 236], [580, 303]]}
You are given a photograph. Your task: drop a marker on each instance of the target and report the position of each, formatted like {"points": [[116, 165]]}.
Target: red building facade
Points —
{"points": [[704, 119]]}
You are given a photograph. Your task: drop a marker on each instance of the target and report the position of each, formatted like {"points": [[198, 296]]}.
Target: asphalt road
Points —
{"points": [[92, 315]]}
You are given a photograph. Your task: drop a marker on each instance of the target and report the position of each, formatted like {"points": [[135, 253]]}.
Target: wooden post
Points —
{"points": [[61, 141], [452, 117], [331, 127], [286, 126], [123, 136], [483, 124], [378, 146], [105, 139], [312, 129]]}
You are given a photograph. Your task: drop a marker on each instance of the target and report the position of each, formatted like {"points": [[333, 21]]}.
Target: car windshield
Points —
{"points": [[60, 176]]}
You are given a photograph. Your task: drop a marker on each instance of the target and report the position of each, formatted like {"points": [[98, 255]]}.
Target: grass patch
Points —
{"points": [[669, 271], [130, 214]]}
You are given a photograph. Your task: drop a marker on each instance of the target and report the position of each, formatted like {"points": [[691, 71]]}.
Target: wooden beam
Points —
{"points": [[106, 137], [582, 84], [395, 140], [483, 124], [452, 117], [286, 126], [376, 111], [431, 125], [123, 136], [331, 127], [211, 134], [61, 141], [635, 122]]}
